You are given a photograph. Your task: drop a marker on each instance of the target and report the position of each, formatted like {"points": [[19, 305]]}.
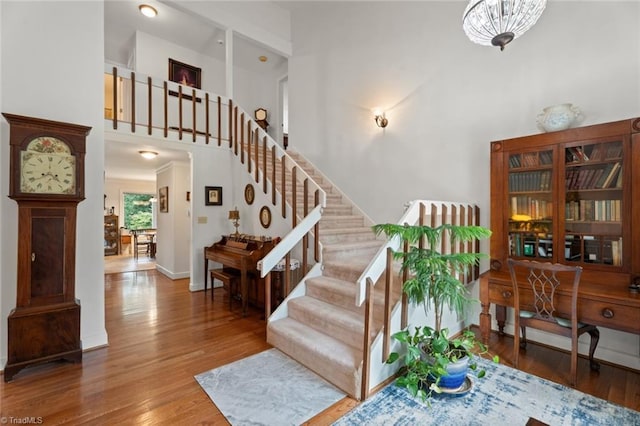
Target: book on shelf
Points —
{"points": [[605, 173], [612, 174]]}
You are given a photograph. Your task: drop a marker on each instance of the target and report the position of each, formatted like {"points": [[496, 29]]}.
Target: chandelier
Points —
{"points": [[497, 22]]}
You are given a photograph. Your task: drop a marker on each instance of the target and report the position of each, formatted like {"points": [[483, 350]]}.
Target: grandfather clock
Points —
{"points": [[47, 181]]}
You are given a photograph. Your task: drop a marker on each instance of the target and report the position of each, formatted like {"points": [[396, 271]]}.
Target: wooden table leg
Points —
{"points": [[206, 269], [485, 315]]}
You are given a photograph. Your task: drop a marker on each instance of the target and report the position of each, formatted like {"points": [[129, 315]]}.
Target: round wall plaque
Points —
{"points": [[249, 194], [265, 216]]}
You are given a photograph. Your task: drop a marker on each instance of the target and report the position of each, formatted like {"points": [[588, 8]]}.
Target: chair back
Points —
{"points": [[544, 279]]}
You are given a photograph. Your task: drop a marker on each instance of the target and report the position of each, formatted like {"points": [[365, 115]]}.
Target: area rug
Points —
{"points": [[504, 397], [268, 388]]}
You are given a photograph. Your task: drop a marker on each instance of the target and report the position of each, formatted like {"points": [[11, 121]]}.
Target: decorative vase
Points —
{"points": [[558, 117]]}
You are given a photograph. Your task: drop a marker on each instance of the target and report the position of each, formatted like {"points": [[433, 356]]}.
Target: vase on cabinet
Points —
{"points": [[558, 117]]}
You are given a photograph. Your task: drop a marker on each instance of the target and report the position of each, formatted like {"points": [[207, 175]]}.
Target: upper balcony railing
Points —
{"points": [[147, 106]]}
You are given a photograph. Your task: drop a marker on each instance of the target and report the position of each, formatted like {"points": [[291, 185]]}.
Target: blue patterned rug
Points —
{"points": [[268, 388], [504, 397]]}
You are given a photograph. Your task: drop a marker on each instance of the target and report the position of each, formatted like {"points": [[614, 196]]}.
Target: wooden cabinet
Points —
{"points": [[570, 197], [111, 235]]}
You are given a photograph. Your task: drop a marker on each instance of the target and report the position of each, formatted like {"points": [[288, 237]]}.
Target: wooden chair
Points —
{"points": [[543, 280]]}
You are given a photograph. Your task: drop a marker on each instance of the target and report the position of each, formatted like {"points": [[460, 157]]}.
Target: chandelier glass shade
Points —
{"points": [[497, 22]]}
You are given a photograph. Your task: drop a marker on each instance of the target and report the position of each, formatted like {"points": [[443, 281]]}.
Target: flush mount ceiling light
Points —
{"points": [[149, 155], [497, 22], [147, 10]]}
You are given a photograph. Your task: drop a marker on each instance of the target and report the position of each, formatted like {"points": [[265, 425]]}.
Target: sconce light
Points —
{"points": [[234, 216], [381, 120], [148, 11], [149, 155]]}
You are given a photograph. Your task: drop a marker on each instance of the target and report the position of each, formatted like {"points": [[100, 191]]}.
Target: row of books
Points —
{"points": [[530, 159], [586, 248], [530, 181], [607, 151], [607, 176], [597, 249], [534, 208], [593, 152], [594, 210]]}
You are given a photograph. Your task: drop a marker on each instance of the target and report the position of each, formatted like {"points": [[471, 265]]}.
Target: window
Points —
{"points": [[139, 211]]}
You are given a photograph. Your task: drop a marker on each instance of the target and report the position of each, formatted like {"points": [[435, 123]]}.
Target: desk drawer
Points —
{"points": [[600, 313], [610, 315]]}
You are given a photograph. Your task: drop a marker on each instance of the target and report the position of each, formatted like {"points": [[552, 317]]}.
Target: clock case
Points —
{"points": [[45, 325]]}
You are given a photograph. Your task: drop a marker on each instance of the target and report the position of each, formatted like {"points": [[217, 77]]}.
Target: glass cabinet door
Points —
{"points": [[593, 197], [530, 189]]}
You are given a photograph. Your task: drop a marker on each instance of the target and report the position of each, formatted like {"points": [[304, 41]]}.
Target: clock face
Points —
{"points": [[47, 167]]}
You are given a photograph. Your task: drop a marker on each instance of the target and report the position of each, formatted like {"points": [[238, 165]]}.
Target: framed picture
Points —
{"points": [[163, 199], [249, 194], [182, 73], [265, 217], [212, 195]]}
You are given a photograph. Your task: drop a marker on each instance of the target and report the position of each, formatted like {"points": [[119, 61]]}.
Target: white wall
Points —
{"points": [[446, 98], [70, 91], [174, 232]]}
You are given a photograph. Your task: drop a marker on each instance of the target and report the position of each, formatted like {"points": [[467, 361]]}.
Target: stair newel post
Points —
{"points": [[287, 275], [474, 219], [267, 297], [366, 352], [305, 238], [294, 197], [193, 113], [256, 138], [249, 144], [133, 102], [264, 164], [115, 98], [166, 109], [206, 118], [248, 140], [235, 130], [387, 305], [149, 105], [241, 136], [284, 186], [180, 112], [273, 175], [316, 229], [404, 317], [230, 122], [219, 121]]}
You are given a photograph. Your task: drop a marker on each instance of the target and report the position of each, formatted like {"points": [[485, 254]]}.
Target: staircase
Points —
{"points": [[321, 323], [324, 329]]}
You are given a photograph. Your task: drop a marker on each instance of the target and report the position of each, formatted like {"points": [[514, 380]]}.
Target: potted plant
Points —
{"points": [[433, 361]]}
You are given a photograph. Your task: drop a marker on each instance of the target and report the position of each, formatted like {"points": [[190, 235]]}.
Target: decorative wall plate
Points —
{"points": [[265, 216], [249, 194]]}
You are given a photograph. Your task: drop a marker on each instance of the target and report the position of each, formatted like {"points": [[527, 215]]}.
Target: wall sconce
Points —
{"points": [[234, 216], [381, 120]]}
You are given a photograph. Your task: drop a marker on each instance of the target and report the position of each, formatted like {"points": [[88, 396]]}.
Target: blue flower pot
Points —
{"points": [[457, 373]]}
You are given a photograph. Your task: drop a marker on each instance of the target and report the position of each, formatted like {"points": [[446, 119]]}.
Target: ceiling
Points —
{"points": [[121, 20]]}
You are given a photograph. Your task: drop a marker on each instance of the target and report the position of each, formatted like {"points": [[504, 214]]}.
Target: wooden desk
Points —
{"points": [[613, 306]]}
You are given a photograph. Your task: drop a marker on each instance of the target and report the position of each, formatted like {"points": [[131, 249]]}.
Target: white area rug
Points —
{"points": [[268, 388]]}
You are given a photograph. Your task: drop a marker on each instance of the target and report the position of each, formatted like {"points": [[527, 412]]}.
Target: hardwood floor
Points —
{"points": [[161, 335]]}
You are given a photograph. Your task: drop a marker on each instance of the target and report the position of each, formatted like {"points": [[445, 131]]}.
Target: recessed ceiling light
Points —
{"points": [[149, 155], [147, 10], [262, 58]]}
